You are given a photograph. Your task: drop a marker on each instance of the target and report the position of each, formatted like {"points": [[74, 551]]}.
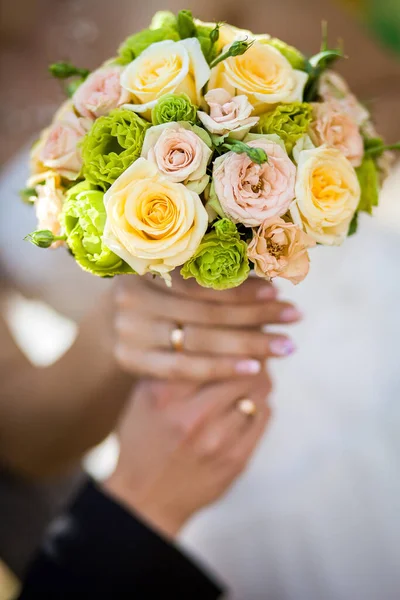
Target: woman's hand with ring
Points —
{"points": [[197, 334]]}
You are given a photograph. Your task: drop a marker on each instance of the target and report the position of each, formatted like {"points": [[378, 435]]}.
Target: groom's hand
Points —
{"points": [[220, 334]]}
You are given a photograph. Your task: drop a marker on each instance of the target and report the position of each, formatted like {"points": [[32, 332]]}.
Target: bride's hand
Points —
{"points": [[222, 334], [182, 447]]}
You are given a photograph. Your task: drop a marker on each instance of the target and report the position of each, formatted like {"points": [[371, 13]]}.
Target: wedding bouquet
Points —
{"points": [[204, 148]]}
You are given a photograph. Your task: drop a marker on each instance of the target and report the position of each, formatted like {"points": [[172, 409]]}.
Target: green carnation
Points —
{"points": [[173, 108], [289, 121], [134, 45], [84, 218], [113, 143], [294, 56], [221, 260]]}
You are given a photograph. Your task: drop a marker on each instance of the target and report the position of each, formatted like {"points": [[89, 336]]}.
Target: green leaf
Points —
{"points": [[72, 86], [27, 194], [186, 25], [368, 178], [353, 225]]}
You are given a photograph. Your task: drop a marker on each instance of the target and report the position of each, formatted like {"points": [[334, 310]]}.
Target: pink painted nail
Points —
{"points": [[282, 347], [248, 367], [267, 293], [291, 314]]}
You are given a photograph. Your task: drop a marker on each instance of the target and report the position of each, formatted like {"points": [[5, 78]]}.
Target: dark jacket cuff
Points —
{"points": [[100, 549]]}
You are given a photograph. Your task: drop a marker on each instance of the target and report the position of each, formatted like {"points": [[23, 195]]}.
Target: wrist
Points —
{"points": [[166, 520]]}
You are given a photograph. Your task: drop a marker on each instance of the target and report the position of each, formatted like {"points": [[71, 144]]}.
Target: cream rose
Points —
{"points": [[327, 194], [337, 129], [263, 74], [48, 206], [179, 153], [58, 148], [152, 223], [228, 114], [279, 249], [250, 193], [100, 93], [165, 67]]}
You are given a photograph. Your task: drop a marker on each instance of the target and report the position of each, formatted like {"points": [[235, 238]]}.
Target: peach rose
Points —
{"points": [[180, 153], [279, 249], [59, 147], [100, 93], [337, 130], [228, 114], [250, 193], [333, 88], [48, 206]]}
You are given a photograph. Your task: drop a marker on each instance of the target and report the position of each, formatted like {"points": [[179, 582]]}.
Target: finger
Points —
{"points": [[143, 333], [252, 290], [174, 365], [184, 311]]}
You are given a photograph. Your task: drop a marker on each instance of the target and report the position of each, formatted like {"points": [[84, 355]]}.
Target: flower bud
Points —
{"points": [[42, 239], [64, 70]]}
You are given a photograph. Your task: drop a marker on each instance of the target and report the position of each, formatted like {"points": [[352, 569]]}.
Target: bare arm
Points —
{"points": [[50, 417]]}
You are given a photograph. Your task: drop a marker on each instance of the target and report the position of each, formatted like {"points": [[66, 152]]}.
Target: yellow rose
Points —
{"points": [[152, 223], [327, 194], [166, 67], [263, 74]]}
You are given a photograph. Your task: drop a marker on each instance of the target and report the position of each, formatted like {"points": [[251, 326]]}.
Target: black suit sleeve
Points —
{"points": [[99, 550]]}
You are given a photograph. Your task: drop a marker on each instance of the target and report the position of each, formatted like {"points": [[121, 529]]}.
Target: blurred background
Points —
{"points": [[316, 515]]}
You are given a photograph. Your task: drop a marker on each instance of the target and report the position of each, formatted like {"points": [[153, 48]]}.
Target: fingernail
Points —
{"points": [[248, 367], [291, 314], [267, 293], [282, 347]]}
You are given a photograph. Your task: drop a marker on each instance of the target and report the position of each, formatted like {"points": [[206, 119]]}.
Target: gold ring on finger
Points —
{"points": [[177, 338], [247, 407]]}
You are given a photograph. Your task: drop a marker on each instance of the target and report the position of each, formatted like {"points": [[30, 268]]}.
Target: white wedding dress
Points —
{"points": [[316, 516]]}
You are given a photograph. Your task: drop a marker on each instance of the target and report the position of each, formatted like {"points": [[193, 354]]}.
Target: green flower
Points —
{"points": [[134, 45], [173, 108], [84, 217], [289, 121], [220, 261], [294, 56], [114, 142]]}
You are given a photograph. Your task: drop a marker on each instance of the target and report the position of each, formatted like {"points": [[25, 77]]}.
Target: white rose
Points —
{"points": [[327, 194], [165, 67], [228, 114], [180, 153], [263, 74]]}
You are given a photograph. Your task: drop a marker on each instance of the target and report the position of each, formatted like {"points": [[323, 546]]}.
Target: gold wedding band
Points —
{"points": [[247, 407], [177, 338]]}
